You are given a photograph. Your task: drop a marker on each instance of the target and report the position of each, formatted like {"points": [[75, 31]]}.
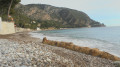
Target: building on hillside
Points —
{"points": [[38, 28], [6, 27]]}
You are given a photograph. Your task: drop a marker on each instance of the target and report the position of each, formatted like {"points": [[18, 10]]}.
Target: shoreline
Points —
{"points": [[86, 50], [43, 53], [65, 28], [82, 43]]}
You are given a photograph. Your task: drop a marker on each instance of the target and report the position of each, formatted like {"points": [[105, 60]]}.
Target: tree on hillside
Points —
{"points": [[6, 6], [10, 7]]}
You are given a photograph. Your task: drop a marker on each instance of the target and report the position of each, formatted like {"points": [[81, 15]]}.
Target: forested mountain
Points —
{"points": [[55, 15], [47, 16]]}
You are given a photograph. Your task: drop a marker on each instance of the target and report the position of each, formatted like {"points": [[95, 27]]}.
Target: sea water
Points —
{"points": [[104, 38]]}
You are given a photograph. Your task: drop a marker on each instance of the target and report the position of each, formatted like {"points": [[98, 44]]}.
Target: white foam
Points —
{"points": [[92, 43]]}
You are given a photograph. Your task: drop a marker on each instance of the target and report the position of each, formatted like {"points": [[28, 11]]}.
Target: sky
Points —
{"points": [[104, 11]]}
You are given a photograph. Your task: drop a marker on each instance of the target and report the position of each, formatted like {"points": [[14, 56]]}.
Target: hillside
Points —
{"points": [[49, 16]]}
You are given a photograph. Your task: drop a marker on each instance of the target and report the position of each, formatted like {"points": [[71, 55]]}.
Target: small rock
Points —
{"points": [[49, 60], [23, 66], [117, 63]]}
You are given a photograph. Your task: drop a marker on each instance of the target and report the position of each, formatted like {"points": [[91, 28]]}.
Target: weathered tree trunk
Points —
{"points": [[10, 7]]}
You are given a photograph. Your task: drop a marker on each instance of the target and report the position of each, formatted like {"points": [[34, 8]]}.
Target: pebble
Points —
{"points": [[13, 54], [117, 63]]}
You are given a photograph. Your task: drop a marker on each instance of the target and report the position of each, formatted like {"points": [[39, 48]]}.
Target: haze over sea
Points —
{"points": [[104, 38]]}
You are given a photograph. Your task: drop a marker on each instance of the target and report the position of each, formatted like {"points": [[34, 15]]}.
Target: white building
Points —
{"points": [[6, 27], [38, 28]]}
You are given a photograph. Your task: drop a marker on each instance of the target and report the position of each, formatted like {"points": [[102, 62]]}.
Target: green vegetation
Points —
{"points": [[23, 21], [27, 16], [4, 6], [20, 20], [50, 23]]}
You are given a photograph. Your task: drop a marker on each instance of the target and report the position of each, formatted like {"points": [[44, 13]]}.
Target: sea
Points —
{"points": [[104, 38]]}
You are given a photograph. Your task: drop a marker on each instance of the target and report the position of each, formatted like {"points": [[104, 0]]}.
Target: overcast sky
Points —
{"points": [[104, 11]]}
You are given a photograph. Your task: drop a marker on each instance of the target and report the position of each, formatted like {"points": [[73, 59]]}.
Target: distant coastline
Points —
{"points": [[65, 28]]}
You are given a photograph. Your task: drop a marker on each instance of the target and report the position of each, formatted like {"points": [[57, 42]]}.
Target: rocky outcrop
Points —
{"points": [[86, 50]]}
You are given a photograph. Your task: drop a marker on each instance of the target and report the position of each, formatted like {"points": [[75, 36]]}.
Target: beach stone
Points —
{"points": [[39, 55], [49, 60], [23, 66], [117, 63]]}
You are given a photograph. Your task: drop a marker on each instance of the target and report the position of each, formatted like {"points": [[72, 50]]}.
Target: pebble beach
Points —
{"points": [[22, 50]]}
